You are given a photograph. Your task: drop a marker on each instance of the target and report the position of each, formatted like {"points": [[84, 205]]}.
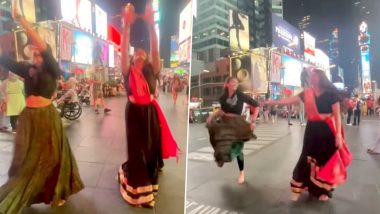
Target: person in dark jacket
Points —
{"points": [[232, 102]]}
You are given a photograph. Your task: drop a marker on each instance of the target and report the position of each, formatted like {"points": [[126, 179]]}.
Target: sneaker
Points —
{"points": [[96, 111], [106, 110], [290, 124]]}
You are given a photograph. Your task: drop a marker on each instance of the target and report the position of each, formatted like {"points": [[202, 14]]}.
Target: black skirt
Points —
{"points": [[138, 177], [318, 148]]}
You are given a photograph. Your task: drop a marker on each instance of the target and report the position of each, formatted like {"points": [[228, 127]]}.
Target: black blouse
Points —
{"points": [[44, 82], [324, 102], [234, 104]]}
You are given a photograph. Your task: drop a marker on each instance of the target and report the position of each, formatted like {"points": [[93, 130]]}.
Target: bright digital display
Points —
{"points": [[78, 13], [292, 71], [239, 30], [83, 48], [185, 23], [101, 22], [174, 51], [285, 35], [309, 43], [111, 56]]}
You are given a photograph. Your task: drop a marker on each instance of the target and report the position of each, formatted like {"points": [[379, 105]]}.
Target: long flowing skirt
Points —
{"points": [[138, 177], [318, 148], [43, 168]]}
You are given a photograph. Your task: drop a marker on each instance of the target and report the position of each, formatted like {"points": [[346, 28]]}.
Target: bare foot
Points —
{"points": [[372, 152], [61, 203], [295, 197], [323, 198], [241, 178]]}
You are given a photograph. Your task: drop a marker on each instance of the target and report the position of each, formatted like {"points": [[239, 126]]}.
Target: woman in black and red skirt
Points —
{"points": [[325, 156], [149, 139]]}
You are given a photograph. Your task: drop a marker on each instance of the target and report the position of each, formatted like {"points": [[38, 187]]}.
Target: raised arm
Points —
{"points": [[154, 53], [129, 17], [36, 39]]}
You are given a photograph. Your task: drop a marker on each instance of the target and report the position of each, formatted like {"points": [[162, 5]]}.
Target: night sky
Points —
{"points": [[328, 14], [170, 10]]}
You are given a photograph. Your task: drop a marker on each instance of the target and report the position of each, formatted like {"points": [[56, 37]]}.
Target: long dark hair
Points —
{"points": [[225, 88], [324, 82], [326, 85]]}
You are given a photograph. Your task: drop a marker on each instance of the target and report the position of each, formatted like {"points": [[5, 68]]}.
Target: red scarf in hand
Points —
{"points": [[141, 94]]}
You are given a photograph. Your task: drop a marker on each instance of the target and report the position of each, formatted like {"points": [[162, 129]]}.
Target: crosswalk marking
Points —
{"points": [[197, 208], [266, 136]]}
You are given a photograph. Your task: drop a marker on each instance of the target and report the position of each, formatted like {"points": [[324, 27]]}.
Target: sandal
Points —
{"points": [[371, 152]]}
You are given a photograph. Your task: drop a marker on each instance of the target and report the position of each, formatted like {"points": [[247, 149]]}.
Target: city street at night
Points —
{"points": [[269, 162], [99, 145]]}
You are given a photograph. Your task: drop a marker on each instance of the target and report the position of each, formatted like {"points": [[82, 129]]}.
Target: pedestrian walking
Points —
{"points": [[232, 102], [357, 111], [43, 169], [14, 99], [325, 155], [176, 85], [97, 93], [149, 139], [350, 110]]}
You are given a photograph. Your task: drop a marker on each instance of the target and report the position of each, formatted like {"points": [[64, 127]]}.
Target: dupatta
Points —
{"points": [[141, 94], [334, 171]]}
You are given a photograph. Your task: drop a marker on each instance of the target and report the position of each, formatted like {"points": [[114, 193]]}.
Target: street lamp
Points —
{"points": [[199, 82]]}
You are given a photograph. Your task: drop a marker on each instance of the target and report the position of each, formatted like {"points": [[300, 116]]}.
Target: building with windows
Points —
{"points": [[211, 33]]}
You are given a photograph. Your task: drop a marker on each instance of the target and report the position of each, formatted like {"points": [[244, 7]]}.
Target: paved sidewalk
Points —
{"points": [[211, 189], [99, 145]]}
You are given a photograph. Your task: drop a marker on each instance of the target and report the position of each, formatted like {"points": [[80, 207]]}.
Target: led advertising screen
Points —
{"points": [[111, 56], [309, 47], [185, 51], [78, 13], [239, 31], [323, 61], [241, 68], [185, 23], [66, 42], [83, 48], [100, 54], [27, 9], [174, 52], [292, 71], [101, 22], [285, 35]]}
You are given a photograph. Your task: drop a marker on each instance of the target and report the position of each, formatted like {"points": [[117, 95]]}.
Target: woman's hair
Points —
{"points": [[225, 88], [324, 82]]}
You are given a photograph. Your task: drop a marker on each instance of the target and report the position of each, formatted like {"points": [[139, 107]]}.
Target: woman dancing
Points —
{"points": [[232, 102], [149, 139], [176, 84], [325, 156], [43, 169]]}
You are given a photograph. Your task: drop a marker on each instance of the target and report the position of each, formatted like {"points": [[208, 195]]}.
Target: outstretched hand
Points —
{"points": [[149, 15], [129, 14]]}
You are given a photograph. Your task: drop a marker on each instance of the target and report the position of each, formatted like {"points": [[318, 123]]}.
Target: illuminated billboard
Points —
{"points": [[292, 71], [184, 51], [100, 53], [185, 23], [83, 48], [157, 18], [323, 62], [364, 40], [78, 13], [101, 22], [111, 56], [28, 10], [174, 52], [284, 35], [309, 47], [239, 31]]}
